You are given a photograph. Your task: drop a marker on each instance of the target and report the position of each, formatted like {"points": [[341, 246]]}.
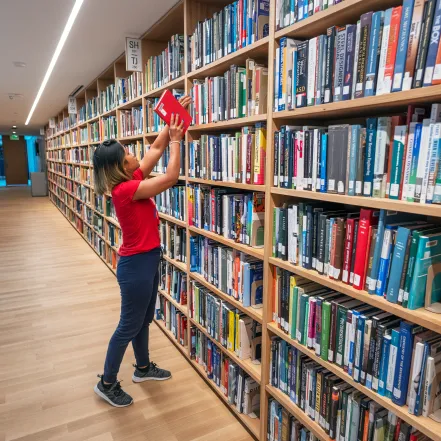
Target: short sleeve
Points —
{"points": [[126, 190], [137, 175]]}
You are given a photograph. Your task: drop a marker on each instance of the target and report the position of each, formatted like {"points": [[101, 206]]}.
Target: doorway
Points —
{"points": [[15, 161]]}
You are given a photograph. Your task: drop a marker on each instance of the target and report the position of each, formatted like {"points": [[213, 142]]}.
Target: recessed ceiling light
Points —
{"points": [[14, 127], [14, 132], [63, 38], [19, 64]]}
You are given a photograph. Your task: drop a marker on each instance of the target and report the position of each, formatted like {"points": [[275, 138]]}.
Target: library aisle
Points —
{"points": [[58, 307]]}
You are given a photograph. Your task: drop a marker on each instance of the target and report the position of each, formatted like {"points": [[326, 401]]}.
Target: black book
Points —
{"points": [[302, 73], [329, 70], [338, 138]]}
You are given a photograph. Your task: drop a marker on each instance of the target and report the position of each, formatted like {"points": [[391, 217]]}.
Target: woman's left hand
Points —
{"points": [[184, 101]]}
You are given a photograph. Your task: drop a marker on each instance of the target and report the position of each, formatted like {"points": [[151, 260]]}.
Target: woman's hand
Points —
{"points": [[184, 101], [176, 129]]}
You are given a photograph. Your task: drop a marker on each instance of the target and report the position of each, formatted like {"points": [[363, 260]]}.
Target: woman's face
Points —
{"points": [[130, 161]]}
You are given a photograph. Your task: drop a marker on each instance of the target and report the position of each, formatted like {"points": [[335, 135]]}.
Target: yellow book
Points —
{"points": [[237, 331], [230, 343]]}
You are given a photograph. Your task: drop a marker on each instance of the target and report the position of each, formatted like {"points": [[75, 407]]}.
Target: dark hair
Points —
{"points": [[108, 166]]}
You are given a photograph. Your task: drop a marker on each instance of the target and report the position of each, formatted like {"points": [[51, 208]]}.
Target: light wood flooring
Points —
{"points": [[59, 305]]}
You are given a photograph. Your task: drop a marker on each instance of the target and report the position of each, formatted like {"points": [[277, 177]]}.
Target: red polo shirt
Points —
{"points": [[139, 219]]}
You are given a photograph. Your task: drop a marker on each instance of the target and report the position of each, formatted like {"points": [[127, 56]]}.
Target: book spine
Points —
{"points": [[330, 54], [365, 28]]}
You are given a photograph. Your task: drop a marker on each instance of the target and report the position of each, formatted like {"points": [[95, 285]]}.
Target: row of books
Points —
{"points": [[174, 320], [234, 215], [173, 240], [391, 157], [236, 26], [99, 203], [129, 88], [172, 202], [232, 272], [233, 329], [80, 155], [136, 148], [385, 51], [239, 388], [84, 138], [114, 235], [72, 121], [82, 192], [82, 116], [110, 208], [94, 132], [161, 165], [131, 121], [92, 108], [108, 128], [173, 282], [239, 92], [167, 66], [390, 254], [230, 157], [107, 98]]}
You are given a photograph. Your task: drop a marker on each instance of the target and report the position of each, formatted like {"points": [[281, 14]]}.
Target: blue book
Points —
{"points": [[244, 23], [394, 346], [323, 162], [369, 159], [355, 317], [262, 10], [373, 53], [382, 377], [282, 103], [402, 368], [250, 23], [294, 76], [396, 269], [300, 8], [194, 254], [386, 250], [358, 356], [355, 143], [256, 283], [403, 39], [351, 32], [246, 300], [433, 45]]}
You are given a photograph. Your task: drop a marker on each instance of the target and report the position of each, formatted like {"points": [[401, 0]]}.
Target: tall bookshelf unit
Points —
{"points": [[70, 148]]}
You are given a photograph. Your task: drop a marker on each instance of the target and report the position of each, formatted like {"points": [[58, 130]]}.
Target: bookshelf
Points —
{"points": [[100, 230]]}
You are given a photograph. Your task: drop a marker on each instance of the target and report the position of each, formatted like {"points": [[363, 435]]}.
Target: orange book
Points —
{"points": [[394, 32]]}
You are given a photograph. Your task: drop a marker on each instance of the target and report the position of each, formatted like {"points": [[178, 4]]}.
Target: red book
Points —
{"points": [[391, 54], [349, 240], [366, 220], [167, 105], [227, 366]]}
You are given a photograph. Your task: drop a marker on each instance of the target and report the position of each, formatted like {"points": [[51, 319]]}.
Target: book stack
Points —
{"points": [[83, 135], [167, 66], [172, 202], [94, 131], [174, 320], [174, 241], [127, 89], [108, 99], [393, 255], [239, 92], [232, 272], [108, 128], [236, 26], [395, 157], [239, 388], [232, 157], [82, 117], [92, 108], [236, 216], [131, 122], [136, 148], [384, 52], [161, 165], [73, 155], [173, 282], [233, 329]]}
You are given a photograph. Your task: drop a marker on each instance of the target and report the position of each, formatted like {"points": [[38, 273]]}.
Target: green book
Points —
{"points": [[326, 329], [275, 230], [305, 325], [302, 318], [242, 93], [397, 161], [293, 299], [340, 336]]}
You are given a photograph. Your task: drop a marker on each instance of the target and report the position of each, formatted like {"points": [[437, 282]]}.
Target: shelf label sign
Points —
{"points": [[41, 130], [52, 123], [72, 105], [133, 55]]}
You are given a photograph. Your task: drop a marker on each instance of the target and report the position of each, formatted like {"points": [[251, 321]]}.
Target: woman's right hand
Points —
{"points": [[176, 129]]}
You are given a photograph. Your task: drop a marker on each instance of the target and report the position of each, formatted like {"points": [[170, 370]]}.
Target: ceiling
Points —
{"points": [[30, 30]]}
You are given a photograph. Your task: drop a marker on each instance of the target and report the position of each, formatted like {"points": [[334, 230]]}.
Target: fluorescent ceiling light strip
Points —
{"points": [[63, 38]]}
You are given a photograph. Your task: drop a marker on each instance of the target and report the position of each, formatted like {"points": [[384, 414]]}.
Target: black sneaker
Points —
{"points": [[114, 395], [151, 372]]}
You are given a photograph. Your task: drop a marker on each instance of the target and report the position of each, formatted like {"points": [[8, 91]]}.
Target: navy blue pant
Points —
{"points": [[138, 279]]}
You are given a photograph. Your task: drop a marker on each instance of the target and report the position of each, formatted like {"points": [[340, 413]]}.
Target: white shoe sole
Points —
{"points": [[101, 395], [136, 379]]}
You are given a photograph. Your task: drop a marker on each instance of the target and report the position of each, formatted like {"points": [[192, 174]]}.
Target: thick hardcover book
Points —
{"points": [[394, 32], [338, 138], [433, 46], [365, 29], [396, 174], [374, 53], [351, 31], [302, 74], [330, 55], [339, 70], [168, 105]]}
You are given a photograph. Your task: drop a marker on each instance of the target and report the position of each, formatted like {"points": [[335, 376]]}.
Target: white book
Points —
{"points": [[277, 177], [414, 377], [230, 159], [315, 160], [276, 80], [432, 384], [424, 149], [300, 159], [408, 159], [244, 144], [312, 65], [383, 130], [245, 336], [224, 150], [434, 162], [357, 48]]}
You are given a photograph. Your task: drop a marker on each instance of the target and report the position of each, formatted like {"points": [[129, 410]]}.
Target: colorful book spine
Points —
{"points": [[374, 53]]}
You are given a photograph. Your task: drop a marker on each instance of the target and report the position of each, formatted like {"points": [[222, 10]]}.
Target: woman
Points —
{"points": [[137, 273]]}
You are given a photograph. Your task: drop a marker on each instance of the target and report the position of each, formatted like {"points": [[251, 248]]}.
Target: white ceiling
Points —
{"points": [[29, 32]]}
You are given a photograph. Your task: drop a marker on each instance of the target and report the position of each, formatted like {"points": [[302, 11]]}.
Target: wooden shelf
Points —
{"points": [[298, 413], [182, 308], [151, 134], [169, 218], [363, 106], [421, 316], [130, 138], [229, 124], [425, 425], [238, 185], [254, 313], [180, 265], [377, 203], [153, 174], [135, 102], [253, 370], [170, 335], [108, 112], [174, 84], [257, 51], [112, 221], [255, 252]]}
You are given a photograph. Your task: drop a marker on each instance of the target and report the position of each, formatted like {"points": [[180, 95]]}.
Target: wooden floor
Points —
{"points": [[59, 305]]}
